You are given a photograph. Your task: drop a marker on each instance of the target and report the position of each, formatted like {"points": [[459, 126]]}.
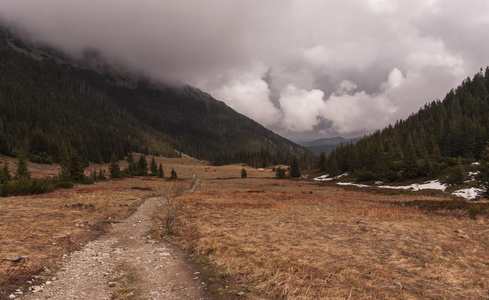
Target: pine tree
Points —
{"points": [[244, 174], [484, 169], [295, 170], [410, 168], [64, 172], [280, 173], [114, 169], [130, 158], [75, 168], [173, 175], [332, 167], [153, 167], [22, 169], [5, 173], [142, 166], [161, 174], [457, 175], [322, 162]]}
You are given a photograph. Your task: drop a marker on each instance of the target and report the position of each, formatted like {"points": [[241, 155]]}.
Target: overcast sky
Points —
{"points": [[304, 68]]}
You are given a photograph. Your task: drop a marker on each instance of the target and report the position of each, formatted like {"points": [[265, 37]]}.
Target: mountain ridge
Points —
{"points": [[49, 103], [327, 145]]}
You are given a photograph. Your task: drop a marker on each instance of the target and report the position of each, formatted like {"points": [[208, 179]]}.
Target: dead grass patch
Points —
{"points": [[328, 243], [46, 226]]}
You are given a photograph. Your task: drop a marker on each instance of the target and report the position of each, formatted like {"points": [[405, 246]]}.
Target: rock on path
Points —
{"points": [[158, 270]]}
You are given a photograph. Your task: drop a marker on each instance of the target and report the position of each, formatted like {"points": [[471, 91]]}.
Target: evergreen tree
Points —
{"points": [[410, 167], [161, 174], [75, 168], [457, 175], [22, 171], [280, 173], [142, 166], [244, 174], [5, 173], [295, 170], [153, 167], [332, 167], [484, 169], [173, 175], [114, 169], [64, 172], [322, 165]]}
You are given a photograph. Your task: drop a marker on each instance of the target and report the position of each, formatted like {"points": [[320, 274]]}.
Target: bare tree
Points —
{"points": [[171, 207]]}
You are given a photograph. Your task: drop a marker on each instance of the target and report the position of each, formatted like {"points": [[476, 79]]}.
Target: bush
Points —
{"points": [[26, 187], [392, 176], [63, 185], [364, 175]]}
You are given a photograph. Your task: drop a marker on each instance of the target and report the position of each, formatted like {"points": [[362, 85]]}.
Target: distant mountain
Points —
{"points": [[49, 102], [327, 145], [441, 135]]}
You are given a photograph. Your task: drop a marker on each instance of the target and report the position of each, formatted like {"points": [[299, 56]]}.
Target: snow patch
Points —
{"points": [[428, 185], [354, 184], [469, 194], [327, 178]]}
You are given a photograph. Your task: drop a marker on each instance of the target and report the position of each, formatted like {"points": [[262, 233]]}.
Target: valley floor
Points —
{"points": [[252, 238]]}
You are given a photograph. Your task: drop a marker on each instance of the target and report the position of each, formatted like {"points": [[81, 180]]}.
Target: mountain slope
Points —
{"points": [[428, 141], [327, 145], [48, 102]]}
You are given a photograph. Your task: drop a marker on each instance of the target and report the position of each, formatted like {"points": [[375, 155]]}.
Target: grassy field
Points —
{"points": [[268, 238], [286, 239], [44, 227]]}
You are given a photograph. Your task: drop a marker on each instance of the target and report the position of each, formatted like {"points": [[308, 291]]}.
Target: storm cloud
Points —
{"points": [[304, 68]]}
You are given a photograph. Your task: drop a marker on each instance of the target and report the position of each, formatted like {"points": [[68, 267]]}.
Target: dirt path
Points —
{"points": [[126, 263]]}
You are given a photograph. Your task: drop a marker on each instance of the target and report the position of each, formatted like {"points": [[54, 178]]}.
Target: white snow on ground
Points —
{"points": [[432, 185], [324, 177], [354, 184], [327, 178], [468, 194]]}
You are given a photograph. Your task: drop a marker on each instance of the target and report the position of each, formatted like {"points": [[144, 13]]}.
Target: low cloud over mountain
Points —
{"points": [[303, 68]]}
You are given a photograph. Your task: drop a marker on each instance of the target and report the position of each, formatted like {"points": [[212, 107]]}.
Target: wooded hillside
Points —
{"points": [[48, 103], [440, 134]]}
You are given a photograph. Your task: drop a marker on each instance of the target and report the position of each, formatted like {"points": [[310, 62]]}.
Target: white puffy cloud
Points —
{"points": [[301, 109], [249, 94]]}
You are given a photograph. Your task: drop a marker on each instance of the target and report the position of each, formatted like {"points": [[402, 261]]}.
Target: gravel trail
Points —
{"points": [[126, 263]]}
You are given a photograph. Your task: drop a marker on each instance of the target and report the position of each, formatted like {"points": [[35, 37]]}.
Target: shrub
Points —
{"points": [[63, 185], [243, 173], [26, 187], [364, 175]]}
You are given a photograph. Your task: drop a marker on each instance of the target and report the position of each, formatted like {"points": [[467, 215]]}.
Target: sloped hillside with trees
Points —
{"points": [[48, 103], [441, 134]]}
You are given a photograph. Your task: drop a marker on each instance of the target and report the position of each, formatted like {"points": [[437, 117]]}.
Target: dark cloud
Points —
{"points": [[304, 68]]}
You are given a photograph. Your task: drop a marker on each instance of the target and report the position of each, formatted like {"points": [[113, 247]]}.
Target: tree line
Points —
{"points": [[442, 134], [72, 171]]}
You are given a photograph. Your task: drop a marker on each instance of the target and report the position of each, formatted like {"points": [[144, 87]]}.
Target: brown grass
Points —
{"points": [[46, 226], [285, 239], [269, 238]]}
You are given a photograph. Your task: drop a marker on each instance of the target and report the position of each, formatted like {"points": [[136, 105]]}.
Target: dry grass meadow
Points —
{"points": [[287, 239], [44, 227], [264, 237]]}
